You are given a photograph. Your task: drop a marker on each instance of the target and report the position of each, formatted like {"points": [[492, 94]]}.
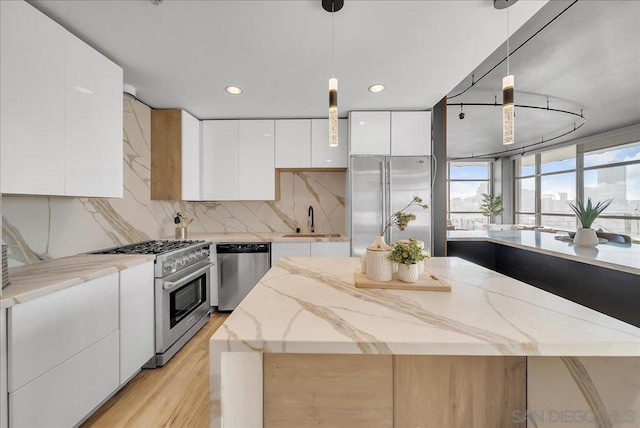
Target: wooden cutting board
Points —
{"points": [[426, 282]]}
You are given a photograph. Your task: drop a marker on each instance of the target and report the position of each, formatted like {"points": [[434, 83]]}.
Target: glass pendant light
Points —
{"points": [[508, 113], [333, 6]]}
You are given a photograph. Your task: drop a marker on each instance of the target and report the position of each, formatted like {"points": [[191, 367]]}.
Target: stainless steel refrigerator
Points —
{"points": [[381, 186]]}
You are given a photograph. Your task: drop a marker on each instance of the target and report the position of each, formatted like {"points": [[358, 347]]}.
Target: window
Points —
{"points": [[546, 182], [466, 183]]}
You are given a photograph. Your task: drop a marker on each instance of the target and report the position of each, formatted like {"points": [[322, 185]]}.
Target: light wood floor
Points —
{"points": [[176, 395]]}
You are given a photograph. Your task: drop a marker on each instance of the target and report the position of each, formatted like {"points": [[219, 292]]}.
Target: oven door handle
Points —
{"points": [[168, 285]]}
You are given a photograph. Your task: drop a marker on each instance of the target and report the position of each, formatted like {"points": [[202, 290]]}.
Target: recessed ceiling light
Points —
{"points": [[378, 87], [362, 123], [233, 90]]}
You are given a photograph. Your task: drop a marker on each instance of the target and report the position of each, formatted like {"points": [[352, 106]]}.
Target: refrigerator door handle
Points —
{"points": [[389, 237], [383, 181]]}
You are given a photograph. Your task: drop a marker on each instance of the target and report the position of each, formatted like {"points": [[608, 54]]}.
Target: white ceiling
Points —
{"points": [[588, 58], [182, 54]]}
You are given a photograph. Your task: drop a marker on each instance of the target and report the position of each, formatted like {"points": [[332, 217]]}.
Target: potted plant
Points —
{"points": [[375, 262], [407, 256], [585, 236], [491, 206]]}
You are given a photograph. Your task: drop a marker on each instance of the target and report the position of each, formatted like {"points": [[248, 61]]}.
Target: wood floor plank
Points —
{"points": [[176, 395]]}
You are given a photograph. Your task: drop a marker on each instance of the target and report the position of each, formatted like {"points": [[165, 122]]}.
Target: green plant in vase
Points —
{"points": [[587, 214], [407, 255], [400, 219]]}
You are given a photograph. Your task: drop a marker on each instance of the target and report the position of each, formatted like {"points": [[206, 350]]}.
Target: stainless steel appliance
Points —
{"points": [[182, 275], [240, 267], [381, 186]]}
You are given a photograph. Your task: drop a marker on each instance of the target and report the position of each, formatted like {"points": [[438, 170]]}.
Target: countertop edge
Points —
{"points": [[122, 263]]}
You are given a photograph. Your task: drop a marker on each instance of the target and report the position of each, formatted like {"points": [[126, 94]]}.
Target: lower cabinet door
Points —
{"points": [[137, 319], [288, 249], [330, 249], [64, 395]]}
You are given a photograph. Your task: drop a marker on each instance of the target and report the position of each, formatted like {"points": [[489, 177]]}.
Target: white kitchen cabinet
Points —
{"points": [[64, 395], [32, 106], [256, 169], [293, 143], [4, 390], [60, 110], [370, 132], [410, 133], [289, 249], [220, 141], [47, 331], [323, 156], [191, 164], [330, 249], [137, 321], [175, 156], [93, 122]]}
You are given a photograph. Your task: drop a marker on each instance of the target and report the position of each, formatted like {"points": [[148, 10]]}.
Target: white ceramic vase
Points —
{"points": [[408, 273], [378, 266], [585, 237]]}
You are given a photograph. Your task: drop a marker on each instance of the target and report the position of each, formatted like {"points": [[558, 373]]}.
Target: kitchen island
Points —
{"points": [[306, 347]]}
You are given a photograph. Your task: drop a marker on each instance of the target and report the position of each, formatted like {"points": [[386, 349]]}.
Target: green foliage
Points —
{"points": [[401, 219], [491, 206], [587, 214], [406, 253]]}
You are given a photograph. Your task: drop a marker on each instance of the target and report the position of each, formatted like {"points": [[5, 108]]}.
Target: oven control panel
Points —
{"points": [[182, 260]]}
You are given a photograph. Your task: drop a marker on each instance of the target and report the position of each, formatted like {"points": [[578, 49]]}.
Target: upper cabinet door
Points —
{"points": [[323, 156], [293, 143], [190, 157], [257, 161], [220, 160], [32, 75], [370, 132], [93, 122], [410, 133]]}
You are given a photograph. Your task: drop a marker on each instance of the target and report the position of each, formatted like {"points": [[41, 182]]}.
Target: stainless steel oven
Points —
{"points": [[182, 304]]}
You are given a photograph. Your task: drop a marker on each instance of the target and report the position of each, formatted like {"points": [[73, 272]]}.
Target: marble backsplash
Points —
{"points": [[41, 227]]}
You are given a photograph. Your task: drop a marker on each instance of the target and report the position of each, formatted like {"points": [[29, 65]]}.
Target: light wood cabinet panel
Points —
{"points": [[220, 142], [93, 123], [293, 143], [410, 133], [328, 390], [63, 396], [256, 177], [137, 320], [289, 249], [323, 156], [330, 249], [47, 331], [175, 156], [458, 391], [32, 116], [370, 132]]}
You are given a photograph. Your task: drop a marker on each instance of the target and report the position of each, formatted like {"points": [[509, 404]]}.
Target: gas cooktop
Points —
{"points": [[150, 247]]}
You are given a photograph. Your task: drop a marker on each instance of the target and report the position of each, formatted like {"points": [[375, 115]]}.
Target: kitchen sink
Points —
{"points": [[311, 235]]}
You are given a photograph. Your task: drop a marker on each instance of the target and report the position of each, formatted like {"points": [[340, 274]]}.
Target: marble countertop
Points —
{"points": [[310, 305], [262, 237], [35, 280], [621, 257]]}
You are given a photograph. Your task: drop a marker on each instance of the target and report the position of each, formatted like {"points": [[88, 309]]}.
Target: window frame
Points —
{"points": [[488, 180]]}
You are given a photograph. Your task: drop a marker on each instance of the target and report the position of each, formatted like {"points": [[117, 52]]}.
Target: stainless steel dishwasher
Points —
{"points": [[240, 267]]}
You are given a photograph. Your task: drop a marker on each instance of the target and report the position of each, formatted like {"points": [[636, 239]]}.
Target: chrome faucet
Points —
{"points": [[310, 214]]}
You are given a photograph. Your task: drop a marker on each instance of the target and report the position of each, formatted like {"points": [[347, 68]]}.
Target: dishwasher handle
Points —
{"points": [[239, 248]]}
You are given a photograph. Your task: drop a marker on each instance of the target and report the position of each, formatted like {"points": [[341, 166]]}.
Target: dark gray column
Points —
{"points": [[439, 195]]}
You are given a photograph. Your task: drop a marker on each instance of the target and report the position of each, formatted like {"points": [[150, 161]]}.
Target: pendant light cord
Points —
{"points": [[508, 42], [333, 56]]}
